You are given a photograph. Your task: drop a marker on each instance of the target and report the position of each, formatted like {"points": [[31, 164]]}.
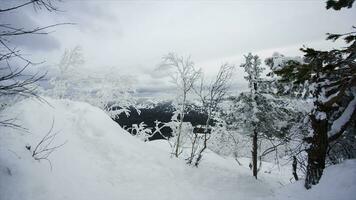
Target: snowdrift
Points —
{"points": [[100, 160], [337, 183]]}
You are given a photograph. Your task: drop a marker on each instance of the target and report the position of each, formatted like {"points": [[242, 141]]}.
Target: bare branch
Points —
{"points": [[44, 147], [37, 4]]}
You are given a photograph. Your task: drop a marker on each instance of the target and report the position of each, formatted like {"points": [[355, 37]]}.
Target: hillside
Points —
{"points": [[100, 160]]}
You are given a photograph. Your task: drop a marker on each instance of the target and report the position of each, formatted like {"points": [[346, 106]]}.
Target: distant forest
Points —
{"points": [[162, 112]]}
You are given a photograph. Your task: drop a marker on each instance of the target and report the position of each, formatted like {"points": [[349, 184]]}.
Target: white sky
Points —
{"points": [[132, 36]]}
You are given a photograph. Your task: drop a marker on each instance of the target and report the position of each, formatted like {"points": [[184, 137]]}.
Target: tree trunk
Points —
{"points": [[294, 166], [192, 151], [316, 152], [180, 125], [200, 155], [205, 144], [178, 138], [254, 154], [254, 137]]}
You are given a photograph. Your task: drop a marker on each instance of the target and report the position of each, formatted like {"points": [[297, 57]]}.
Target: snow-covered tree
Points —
{"points": [[253, 69], [210, 96], [272, 85], [183, 74], [268, 123], [227, 138], [110, 91], [261, 114], [331, 77], [106, 88], [68, 73]]}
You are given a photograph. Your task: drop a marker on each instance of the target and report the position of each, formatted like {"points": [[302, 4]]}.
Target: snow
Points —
{"points": [[338, 182], [100, 160], [324, 99], [343, 119], [280, 61], [320, 115]]}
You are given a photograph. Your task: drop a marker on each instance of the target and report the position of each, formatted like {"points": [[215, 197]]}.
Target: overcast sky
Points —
{"points": [[132, 36]]}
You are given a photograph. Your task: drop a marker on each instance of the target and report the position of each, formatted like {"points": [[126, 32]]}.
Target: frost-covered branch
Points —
{"points": [[183, 74], [340, 124]]}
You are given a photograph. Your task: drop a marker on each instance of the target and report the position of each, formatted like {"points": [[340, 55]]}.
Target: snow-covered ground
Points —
{"points": [[338, 183], [100, 160]]}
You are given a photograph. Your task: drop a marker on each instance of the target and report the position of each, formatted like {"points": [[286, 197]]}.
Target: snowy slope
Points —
{"points": [[102, 161], [337, 183]]}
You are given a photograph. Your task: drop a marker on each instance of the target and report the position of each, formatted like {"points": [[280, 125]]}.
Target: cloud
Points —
{"points": [[21, 19], [132, 36]]}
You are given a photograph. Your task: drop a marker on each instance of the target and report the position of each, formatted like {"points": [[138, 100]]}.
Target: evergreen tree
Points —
{"points": [[331, 75], [339, 4], [252, 67], [272, 85], [268, 111], [266, 118]]}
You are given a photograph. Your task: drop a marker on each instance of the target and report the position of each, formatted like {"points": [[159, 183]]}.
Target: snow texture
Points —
{"points": [[102, 161], [337, 183], [343, 119], [280, 61]]}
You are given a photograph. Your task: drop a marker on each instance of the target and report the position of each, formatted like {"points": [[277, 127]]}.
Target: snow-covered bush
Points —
{"points": [[140, 131], [180, 129]]}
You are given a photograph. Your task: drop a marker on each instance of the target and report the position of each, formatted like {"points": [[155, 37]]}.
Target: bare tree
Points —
{"points": [[184, 76], [14, 80], [211, 96]]}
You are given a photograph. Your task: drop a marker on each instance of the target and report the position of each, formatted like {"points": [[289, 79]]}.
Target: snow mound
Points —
{"points": [[338, 182], [100, 160], [98, 156]]}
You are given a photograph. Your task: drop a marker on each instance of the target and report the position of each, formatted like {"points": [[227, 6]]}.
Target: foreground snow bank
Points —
{"points": [[337, 183], [100, 160]]}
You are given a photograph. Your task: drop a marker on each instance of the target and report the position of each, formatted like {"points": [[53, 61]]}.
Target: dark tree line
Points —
{"points": [[162, 112]]}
